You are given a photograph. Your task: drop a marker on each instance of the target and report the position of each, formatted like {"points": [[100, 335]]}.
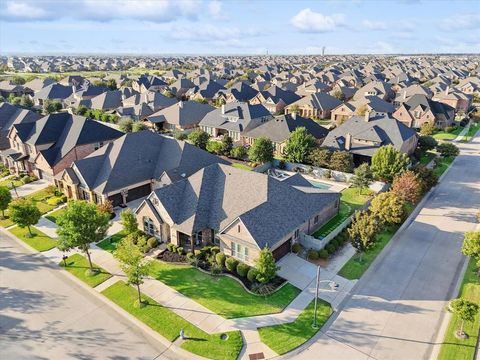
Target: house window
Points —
{"points": [[238, 228], [297, 232], [240, 251], [98, 145], [315, 220], [148, 226], [417, 114]]}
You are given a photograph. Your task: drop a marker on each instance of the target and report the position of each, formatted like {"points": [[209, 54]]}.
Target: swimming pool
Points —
{"points": [[320, 185]]}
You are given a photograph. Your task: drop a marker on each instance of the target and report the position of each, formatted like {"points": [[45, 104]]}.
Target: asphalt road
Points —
{"points": [[45, 315], [397, 307]]}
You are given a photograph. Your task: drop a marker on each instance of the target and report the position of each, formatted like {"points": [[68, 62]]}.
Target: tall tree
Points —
{"points": [[261, 151], [133, 264], [81, 224], [362, 177], [426, 142], [388, 208], [24, 213], [362, 231], [427, 129], [299, 145], [471, 246], [199, 138], [227, 145], [426, 177], [320, 157], [407, 187], [5, 199], [341, 161], [465, 310], [266, 266], [387, 162]]}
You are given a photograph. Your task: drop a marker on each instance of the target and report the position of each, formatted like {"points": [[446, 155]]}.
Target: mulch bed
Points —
{"points": [[172, 257]]}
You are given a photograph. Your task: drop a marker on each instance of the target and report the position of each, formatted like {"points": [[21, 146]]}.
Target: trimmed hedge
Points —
{"points": [[231, 264], [312, 254], [220, 259], [242, 269], [323, 254], [252, 274]]}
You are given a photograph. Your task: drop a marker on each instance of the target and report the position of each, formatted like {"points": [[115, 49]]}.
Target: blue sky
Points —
{"points": [[239, 27]]}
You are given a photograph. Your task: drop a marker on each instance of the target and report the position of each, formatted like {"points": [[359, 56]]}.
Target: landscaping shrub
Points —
{"points": [[330, 248], [190, 256], [327, 174], [170, 247], [450, 129], [447, 149], [180, 250], [198, 254], [215, 250], [152, 242], [54, 201], [335, 242], [296, 248], [216, 269], [145, 248], [312, 255], [231, 264], [252, 275], [323, 254], [242, 269], [141, 241], [26, 179], [220, 259]]}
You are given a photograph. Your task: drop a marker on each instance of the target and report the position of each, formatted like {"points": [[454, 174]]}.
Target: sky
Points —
{"points": [[203, 27]]}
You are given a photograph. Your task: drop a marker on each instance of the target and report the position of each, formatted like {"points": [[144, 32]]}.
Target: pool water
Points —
{"points": [[320, 185]]}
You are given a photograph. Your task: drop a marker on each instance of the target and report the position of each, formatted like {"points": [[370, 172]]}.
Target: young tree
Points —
{"points": [[471, 246], [214, 147], [138, 126], [227, 145], [320, 157], [299, 145], [448, 149], [362, 177], [426, 177], [5, 199], [24, 213], [239, 152], [25, 101], [199, 138], [81, 224], [387, 162], [132, 264], [128, 221], [427, 129], [466, 311], [266, 266], [261, 151], [341, 161], [362, 231], [125, 124], [426, 143], [407, 187], [388, 208]]}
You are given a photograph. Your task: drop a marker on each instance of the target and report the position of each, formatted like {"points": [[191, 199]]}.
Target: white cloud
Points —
{"points": [[309, 21], [211, 33], [461, 22], [380, 47], [215, 9], [374, 25], [24, 10]]}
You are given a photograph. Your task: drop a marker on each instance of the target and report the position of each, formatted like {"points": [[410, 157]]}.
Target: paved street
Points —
{"points": [[44, 315], [398, 306]]}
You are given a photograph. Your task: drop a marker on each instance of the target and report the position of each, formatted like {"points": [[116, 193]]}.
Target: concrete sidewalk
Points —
{"points": [[30, 188]]}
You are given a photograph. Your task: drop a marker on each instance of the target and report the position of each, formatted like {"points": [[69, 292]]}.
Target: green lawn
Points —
{"points": [[448, 136], [443, 165], [168, 324], [453, 348], [40, 241], [77, 265], [53, 216], [351, 200], [40, 199], [221, 294], [286, 337], [6, 222], [471, 131], [242, 166], [427, 157], [110, 244], [8, 182]]}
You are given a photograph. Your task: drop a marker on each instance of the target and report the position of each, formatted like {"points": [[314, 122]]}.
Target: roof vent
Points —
{"points": [[183, 175]]}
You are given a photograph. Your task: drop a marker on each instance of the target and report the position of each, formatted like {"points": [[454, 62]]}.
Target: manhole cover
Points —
{"points": [[257, 356]]}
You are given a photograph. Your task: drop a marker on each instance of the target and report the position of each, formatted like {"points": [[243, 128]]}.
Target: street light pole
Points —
{"points": [[316, 298]]}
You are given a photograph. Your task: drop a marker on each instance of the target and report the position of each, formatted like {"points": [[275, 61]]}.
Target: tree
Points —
{"points": [[299, 145], [387, 162], [407, 187], [51, 106], [199, 138], [426, 143], [465, 310], [5, 199], [471, 246], [239, 152], [128, 221], [362, 231], [112, 84], [448, 150], [341, 161], [362, 177], [81, 224], [227, 145], [214, 147], [25, 101], [427, 129], [320, 157], [261, 151], [24, 213], [388, 208], [361, 110], [18, 80], [132, 264], [339, 95], [265, 266], [138, 126], [426, 177], [125, 124]]}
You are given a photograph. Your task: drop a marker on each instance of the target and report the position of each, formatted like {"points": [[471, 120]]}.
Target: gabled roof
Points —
{"points": [[321, 101], [54, 91], [276, 94], [426, 104], [107, 100], [182, 113], [214, 197], [139, 157], [11, 115]]}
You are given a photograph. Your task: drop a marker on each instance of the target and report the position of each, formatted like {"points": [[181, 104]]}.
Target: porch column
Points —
{"points": [[192, 243]]}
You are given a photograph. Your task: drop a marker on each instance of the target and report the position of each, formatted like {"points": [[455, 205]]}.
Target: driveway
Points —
{"points": [[30, 188], [44, 315], [397, 307]]}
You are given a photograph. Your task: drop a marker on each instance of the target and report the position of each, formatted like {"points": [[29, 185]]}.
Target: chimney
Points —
{"points": [[294, 115], [405, 95], [223, 109], [145, 98], [447, 90], [180, 104], [348, 141], [367, 116]]}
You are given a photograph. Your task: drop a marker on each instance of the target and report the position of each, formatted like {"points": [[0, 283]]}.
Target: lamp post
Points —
{"points": [[14, 188], [316, 299]]}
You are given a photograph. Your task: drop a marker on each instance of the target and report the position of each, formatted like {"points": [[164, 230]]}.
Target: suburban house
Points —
{"points": [[8, 88], [180, 87], [205, 91], [360, 107], [419, 110], [11, 115], [146, 83], [47, 146], [240, 91], [318, 105], [456, 99], [131, 167], [363, 135], [380, 89], [53, 92], [234, 119], [108, 100], [275, 99], [184, 115], [233, 208], [281, 127]]}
